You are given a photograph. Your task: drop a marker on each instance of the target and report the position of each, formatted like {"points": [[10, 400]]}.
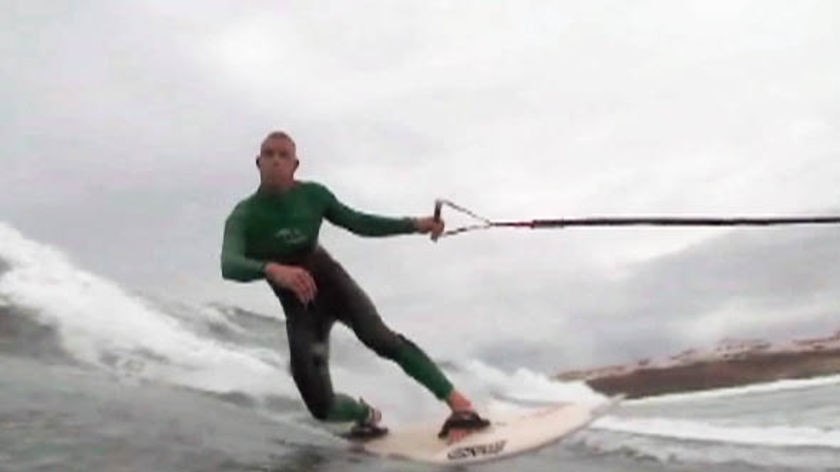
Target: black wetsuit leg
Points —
{"points": [[340, 298]]}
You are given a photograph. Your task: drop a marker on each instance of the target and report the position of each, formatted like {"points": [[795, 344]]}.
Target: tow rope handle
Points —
{"points": [[438, 206], [667, 221]]}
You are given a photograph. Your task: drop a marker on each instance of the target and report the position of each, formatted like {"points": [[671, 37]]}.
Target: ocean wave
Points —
{"points": [[94, 321], [22, 335], [769, 387], [689, 430]]}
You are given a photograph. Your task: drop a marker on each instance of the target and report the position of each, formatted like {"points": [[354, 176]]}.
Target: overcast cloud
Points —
{"points": [[129, 131]]}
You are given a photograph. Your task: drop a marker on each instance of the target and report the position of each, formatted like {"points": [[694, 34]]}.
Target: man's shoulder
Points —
{"points": [[311, 185], [315, 188], [242, 206]]}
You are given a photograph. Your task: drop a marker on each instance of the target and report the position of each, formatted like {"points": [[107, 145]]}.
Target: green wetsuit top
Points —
{"points": [[273, 227]]}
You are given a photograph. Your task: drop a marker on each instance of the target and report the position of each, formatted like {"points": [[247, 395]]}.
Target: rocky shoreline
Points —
{"points": [[732, 363]]}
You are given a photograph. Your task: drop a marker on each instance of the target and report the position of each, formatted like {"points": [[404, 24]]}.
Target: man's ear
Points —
{"points": [[297, 164], [257, 161]]}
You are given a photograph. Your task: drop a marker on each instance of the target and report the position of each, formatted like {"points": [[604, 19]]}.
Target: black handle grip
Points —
{"points": [[438, 207]]}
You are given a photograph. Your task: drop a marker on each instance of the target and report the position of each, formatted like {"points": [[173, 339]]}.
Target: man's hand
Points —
{"points": [[294, 278], [429, 225]]}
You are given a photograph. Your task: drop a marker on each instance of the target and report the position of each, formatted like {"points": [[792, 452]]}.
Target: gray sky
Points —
{"points": [[129, 131]]}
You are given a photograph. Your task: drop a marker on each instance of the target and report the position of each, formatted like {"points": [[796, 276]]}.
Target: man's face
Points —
{"points": [[277, 161]]}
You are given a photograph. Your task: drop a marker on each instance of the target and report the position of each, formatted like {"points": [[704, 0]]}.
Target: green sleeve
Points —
{"points": [[235, 264], [362, 223]]}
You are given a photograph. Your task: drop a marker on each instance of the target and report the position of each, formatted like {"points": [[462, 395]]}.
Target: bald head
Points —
{"points": [[276, 136]]}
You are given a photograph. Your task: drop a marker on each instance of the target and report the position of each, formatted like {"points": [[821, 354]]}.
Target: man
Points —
{"points": [[273, 235]]}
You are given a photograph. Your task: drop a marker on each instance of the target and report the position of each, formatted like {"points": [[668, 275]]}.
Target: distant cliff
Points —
{"points": [[730, 364]]}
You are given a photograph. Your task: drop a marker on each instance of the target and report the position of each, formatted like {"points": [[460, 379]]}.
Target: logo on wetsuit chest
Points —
{"points": [[290, 235]]}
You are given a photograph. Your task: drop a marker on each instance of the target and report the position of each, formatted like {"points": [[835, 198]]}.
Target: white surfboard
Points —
{"points": [[507, 436]]}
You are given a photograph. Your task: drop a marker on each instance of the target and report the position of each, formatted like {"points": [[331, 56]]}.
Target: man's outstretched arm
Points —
{"points": [[364, 224]]}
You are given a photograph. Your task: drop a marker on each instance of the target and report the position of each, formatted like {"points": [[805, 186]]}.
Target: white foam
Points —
{"points": [[776, 436], [101, 324], [707, 455], [769, 387], [217, 316], [527, 386]]}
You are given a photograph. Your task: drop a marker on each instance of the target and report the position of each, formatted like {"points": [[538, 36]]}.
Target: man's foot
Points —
{"points": [[460, 424], [368, 428]]}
